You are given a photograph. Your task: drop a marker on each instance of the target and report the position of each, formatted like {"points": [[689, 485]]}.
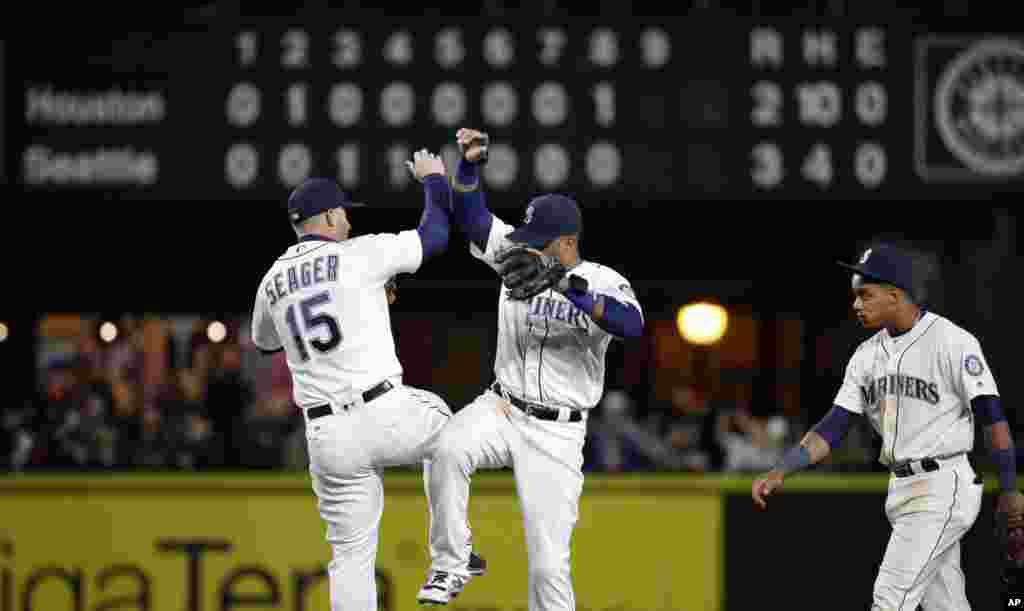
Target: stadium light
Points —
{"points": [[702, 323], [108, 332], [216, 331]]}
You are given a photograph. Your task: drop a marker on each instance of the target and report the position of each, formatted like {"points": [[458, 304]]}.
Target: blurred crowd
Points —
{"points": [[696, 431], [118, 405], [155, 399]]}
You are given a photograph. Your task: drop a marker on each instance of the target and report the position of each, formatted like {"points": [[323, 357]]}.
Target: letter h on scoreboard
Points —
{"points": [[969, 109]]}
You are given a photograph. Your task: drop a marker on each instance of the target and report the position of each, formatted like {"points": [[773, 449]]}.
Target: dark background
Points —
{"points": [[683, 131], [836, 559]]}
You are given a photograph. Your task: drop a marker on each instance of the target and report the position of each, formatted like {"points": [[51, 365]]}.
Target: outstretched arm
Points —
{"points": [[472, 217], [435, 223], [471, 214], [816, 445]]}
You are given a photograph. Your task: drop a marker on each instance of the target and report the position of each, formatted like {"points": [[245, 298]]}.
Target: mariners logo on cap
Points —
{"points": [[529, 214], [973, 365], [864, 257]]}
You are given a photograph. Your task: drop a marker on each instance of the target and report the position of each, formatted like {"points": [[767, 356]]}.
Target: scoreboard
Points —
{"points": [[637, 113], [819, 120]]}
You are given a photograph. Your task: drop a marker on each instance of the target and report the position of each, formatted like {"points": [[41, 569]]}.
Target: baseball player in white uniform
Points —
{"points": [[921, 381], [325, 303], [549, 371]]}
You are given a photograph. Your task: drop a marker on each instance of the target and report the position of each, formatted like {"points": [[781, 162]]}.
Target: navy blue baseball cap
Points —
{"points": [[316, 195], [887, 264], [548, 217]]}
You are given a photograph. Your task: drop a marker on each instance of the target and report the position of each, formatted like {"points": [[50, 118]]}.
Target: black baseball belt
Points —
{"points": [[925, 465], [325, 410], [541, 412]]}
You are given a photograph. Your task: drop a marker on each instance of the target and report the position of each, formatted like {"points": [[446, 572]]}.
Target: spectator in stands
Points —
{"points": [[16, 436], [53, 418], [198, 446], [681, 426], [227, 397], [751, 441], [606, 449], [671, 437], [188, 428], [268, 424], [153, 447]]}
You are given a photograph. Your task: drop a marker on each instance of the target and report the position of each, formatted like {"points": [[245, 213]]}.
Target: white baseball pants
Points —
{"points": [[930, 513], [547, 461], [347, 453]]}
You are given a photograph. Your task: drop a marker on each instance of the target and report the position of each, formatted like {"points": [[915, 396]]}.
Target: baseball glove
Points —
{"points": [[1010, 543], [526, 272]]}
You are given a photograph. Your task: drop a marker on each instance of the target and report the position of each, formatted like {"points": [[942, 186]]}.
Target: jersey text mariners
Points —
{"points": [[916, 388], [549, 351]]}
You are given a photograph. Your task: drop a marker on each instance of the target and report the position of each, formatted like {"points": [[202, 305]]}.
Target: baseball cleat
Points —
{"points": [[440, 589], [477, 565]]}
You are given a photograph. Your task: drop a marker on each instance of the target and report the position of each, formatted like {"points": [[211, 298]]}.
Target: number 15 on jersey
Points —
{"points": [[313, 323]]}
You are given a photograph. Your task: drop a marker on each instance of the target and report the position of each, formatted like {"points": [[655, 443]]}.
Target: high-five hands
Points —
{"points": [[473, 144], [425, 163]]}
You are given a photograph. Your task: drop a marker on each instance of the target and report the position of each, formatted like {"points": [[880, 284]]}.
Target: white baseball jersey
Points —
{"points": [[916, 388], [549, 351], [325, 303]]}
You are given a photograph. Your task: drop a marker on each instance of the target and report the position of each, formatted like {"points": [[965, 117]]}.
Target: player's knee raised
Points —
{"points": [[454, 448]]}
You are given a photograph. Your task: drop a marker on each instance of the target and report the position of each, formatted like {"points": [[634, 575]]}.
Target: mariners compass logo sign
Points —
{"points": [[971, 121], [979, 105]]}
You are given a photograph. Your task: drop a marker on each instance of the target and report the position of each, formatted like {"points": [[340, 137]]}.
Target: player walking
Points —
{"points": [[921, 381], [549, 372], [325, 302]]}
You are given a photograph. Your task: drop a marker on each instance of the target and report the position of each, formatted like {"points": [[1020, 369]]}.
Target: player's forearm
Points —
{"points": [[817, 444], [467, 176], [619, 319], [1000, 440], [435, 224], [472, 217], [1003, 454], [811, 450]]}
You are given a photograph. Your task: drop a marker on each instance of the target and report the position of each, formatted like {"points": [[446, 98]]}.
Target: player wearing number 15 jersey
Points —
{"points": [[324, 302]]}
